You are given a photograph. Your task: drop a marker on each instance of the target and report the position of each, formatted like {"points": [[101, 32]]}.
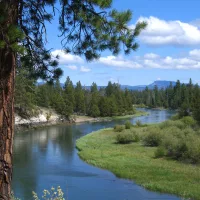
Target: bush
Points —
{"points": [[153, 138], [193, 153], [127, 136], [128, 125], [119, 128], [138, 123], [188, 121], [179, 124], [160, 152], [175, 117], [136, 137]]}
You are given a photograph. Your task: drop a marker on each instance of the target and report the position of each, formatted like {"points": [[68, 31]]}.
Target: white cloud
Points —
{"points": [[72, 67], [155, 61], [150, 60], [151, 56], [118, 62], [195, 54], [85, 69], [66, 58], [161, 32]]}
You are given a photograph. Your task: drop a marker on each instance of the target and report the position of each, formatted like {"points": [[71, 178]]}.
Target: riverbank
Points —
{"points": [[48, 117], [137, 162]]}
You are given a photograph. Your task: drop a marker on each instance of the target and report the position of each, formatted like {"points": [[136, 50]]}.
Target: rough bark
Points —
{"points": [[7, 75], [7, 78]]}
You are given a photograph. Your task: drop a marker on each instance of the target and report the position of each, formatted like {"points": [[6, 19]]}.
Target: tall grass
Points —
{"points": [[165, 159]]}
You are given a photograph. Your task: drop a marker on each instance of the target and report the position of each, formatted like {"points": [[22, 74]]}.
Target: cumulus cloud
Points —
{"points": [[119, 62], [151, 56], [85, 69], [151, 60], [72, 67], [148, 61], [161, 32], [66, 58], [195, 54]]}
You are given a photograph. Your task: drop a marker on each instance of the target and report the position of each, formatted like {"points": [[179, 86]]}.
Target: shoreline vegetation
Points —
{"points": [[146, 156], [48, 117]]}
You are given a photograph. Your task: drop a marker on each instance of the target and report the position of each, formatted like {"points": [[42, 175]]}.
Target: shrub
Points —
{"points": [[153, 138], [48, 115], [193, 150], [138, 123], [118, 128], [175, 117], [128, 125], [136, 137], [179, 124], [172, 130], [125, 137], [160, 152], [188, 121]]}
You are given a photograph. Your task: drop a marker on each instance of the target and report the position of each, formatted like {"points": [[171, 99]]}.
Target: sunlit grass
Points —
{"points": [[137, 162]]}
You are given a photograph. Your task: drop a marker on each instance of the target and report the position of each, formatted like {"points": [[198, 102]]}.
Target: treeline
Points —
{"points": [[70, 99], [182, 97]]}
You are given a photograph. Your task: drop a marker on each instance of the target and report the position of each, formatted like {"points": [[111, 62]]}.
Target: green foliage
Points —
{"points": [[119, 128], [25, 98], [68, 100], [48, 116], [175, 141], [164, 175], [94, 112], [181, 97], [175, 117], [188, 121], [125, 137], [160, 152], [153, 138], [128, 125], [169, 123]]}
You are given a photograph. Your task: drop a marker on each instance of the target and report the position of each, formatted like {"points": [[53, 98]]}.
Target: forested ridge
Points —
{"points": [[108, 101], [70, 99], [184, 97]]}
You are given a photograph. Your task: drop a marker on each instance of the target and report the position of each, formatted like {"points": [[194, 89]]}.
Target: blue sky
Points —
{"points": [[169, 47]]}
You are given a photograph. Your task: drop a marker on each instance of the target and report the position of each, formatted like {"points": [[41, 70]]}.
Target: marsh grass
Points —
{"points": [[137, 162]]}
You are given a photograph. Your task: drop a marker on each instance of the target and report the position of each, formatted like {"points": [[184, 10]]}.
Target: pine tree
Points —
{"points": [[79, 99], [92, 25], [69, 92]]}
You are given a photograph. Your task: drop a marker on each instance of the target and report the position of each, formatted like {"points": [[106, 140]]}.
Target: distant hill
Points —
{"points": [[160, 85]]}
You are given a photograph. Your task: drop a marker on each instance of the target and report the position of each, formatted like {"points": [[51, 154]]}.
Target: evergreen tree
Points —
{"points": [[69, 92], [25, 93], [79, 99], [92, 25]]}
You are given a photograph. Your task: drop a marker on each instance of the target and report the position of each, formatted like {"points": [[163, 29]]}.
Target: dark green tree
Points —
{"points": [[87, 27], [79, 99], [25, 93], [69, 92]]}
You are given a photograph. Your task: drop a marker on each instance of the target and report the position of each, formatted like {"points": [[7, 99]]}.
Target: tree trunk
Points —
{"points": [[7, 78]]}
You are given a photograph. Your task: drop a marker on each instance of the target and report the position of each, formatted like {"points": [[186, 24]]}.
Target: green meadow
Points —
{"points": [[134, 154]]}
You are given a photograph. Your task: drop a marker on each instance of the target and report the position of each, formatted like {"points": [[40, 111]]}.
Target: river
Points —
{"points": [[48, 157]]}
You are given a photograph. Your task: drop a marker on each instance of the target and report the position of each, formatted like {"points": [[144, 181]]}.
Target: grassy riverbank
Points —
{"points": [[137, 162]]}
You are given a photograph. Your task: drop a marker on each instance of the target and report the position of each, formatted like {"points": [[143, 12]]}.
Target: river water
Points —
{"points": [[47, 157]]}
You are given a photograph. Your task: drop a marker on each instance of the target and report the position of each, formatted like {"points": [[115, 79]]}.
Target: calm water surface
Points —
{"points": [[48, 157]]}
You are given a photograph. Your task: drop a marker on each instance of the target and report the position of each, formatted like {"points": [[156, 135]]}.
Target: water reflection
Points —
{"points": [[47, 157]]}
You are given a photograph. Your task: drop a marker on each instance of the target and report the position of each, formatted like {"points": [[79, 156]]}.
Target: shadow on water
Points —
{"points": [[48, 157]]}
